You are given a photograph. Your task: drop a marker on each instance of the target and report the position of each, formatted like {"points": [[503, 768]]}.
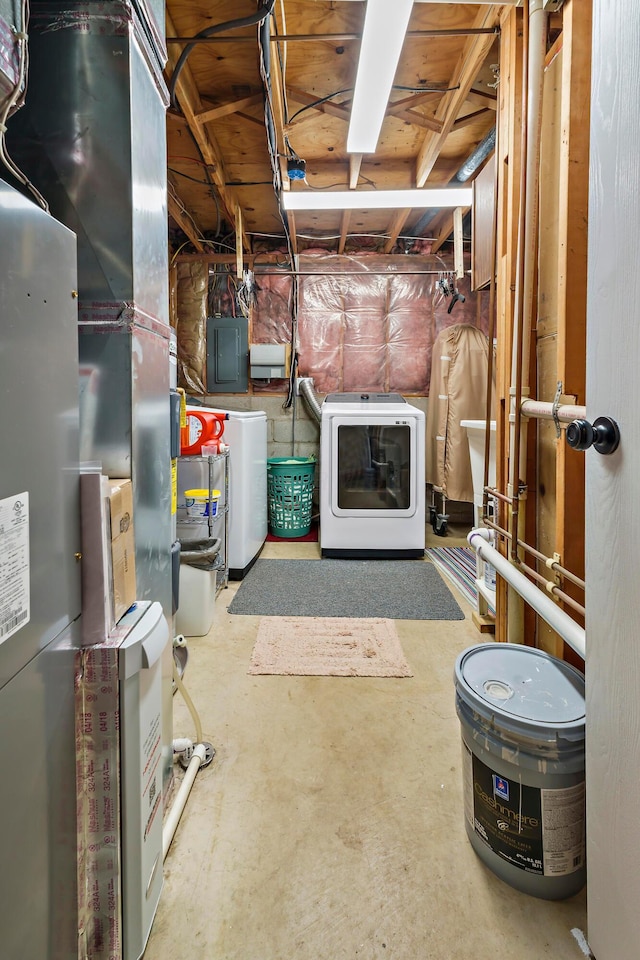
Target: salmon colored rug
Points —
{"points": [[328, 647]]}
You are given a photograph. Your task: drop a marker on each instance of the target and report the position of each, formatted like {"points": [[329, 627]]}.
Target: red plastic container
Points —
{"points": [[202, 426]]}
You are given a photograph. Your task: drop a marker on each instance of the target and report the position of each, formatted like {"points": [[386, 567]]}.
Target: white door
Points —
{"points": [[613, 488]]}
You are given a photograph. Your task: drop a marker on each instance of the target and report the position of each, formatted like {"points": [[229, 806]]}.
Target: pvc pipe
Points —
{"points": [[540, 410], [558, 620], [189, 702], [173, 817]]}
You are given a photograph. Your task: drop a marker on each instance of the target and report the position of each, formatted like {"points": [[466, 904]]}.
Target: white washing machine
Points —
{"points": [[246, 433], [372, 476]]}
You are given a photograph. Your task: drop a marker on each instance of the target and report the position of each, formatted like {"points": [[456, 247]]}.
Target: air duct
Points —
{"points": [[305, 387], [468, 168]]}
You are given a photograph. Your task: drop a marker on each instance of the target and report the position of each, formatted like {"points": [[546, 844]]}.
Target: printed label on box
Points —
{"points": [[15, 594]]}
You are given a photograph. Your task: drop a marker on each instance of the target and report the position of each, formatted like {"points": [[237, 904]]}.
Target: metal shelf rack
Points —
{"points": [[222, 514]]}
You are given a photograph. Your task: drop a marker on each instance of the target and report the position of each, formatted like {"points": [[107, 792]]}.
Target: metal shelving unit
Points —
{"points": [[204, 472]]}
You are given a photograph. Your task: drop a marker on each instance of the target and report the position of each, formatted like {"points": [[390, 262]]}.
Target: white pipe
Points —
{"points": [[557, 619], [541, 410], [173, 817]]}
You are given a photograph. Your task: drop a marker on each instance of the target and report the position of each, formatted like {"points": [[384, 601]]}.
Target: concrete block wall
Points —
{"points": [[291, 432]]}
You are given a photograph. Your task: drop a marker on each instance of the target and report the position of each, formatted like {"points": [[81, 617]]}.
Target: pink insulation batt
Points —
{"points": [[365, 322]]}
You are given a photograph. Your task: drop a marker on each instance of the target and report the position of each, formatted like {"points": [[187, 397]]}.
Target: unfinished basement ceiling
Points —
{"points": [[221, 174]]}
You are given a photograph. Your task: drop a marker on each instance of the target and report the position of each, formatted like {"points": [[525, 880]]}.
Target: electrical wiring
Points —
{"points": [[336, 93], [258, 17], [14, 101], [188, 159], [265, 63]]}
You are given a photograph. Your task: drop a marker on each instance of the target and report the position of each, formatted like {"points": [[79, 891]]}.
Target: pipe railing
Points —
{"points": [[571, 632]]}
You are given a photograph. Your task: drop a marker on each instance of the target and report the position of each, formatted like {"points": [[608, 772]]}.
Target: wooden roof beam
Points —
{"points": [[344, 229], [395, 229], [224, 109], [471, 118], [473, 56], [277, 108], [355, 164], [189, 98], [184, 218]]}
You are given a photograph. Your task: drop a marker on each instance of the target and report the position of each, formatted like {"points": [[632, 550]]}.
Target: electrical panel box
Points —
{"points": [[227, 355], [269, 361]]}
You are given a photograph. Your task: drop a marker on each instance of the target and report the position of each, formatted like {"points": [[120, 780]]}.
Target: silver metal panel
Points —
{"points": [[97, 149], [39, 414], [38, 840], [126, 427], [149, 191]]}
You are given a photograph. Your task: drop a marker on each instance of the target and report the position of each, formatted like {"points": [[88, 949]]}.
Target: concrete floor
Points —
{"points": [[330, 823]]}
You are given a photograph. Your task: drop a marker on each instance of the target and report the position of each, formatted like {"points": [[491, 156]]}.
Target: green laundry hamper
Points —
{"points": [[290, 495]]}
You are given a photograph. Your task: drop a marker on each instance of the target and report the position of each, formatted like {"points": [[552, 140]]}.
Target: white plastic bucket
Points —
{"points": [[522, 720], [199, 503]]}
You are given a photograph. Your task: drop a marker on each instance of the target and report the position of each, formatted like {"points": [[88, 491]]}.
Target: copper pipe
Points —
{"points": [[499, 496], [499, 530], [555, 590], [553, 565]]}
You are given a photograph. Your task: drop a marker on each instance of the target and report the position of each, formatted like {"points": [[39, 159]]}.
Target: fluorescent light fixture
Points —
{"points": [[385, 26], [377, 199]]}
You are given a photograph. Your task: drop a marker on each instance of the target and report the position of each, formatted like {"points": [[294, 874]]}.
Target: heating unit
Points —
{"points": [[372, 492]]}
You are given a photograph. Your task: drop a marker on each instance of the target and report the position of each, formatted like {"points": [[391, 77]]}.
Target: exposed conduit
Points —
{"points": [[558, 620]]}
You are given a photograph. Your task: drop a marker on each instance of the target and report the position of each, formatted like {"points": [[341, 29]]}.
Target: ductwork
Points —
{"points": [[468, 168], [305, 386]]}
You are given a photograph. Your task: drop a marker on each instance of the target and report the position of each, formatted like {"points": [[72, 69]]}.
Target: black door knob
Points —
{"points": [[603, 435]]}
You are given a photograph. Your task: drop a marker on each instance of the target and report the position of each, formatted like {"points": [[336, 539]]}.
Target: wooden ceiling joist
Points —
{"points": [[470, 118], [179, 214], [472, 58], [224, 109], [344, 230], [191, 104], [355, 164]]}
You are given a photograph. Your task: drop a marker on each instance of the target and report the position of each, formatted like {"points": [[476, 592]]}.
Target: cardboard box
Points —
{"points": [[123, 563], [97, 604]]}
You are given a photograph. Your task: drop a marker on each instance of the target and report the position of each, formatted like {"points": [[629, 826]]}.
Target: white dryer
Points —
{"points": [[372, 476]]}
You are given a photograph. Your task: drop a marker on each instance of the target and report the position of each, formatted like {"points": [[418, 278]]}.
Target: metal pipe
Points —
{"points": [[558, 620], [553, 564], [541, 410], [551, 587], [335, 37]]}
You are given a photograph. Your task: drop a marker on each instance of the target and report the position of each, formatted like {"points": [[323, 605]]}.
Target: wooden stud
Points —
{"points": [[344, 229], [355, 163], [458, 244], [239, 264]]}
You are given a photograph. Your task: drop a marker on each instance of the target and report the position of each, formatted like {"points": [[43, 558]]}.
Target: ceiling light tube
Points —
{"points": [[377, 199], [385, 26]]}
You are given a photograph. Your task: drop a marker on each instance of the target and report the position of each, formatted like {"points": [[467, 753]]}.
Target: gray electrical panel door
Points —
{"points": [[227, 354]]}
